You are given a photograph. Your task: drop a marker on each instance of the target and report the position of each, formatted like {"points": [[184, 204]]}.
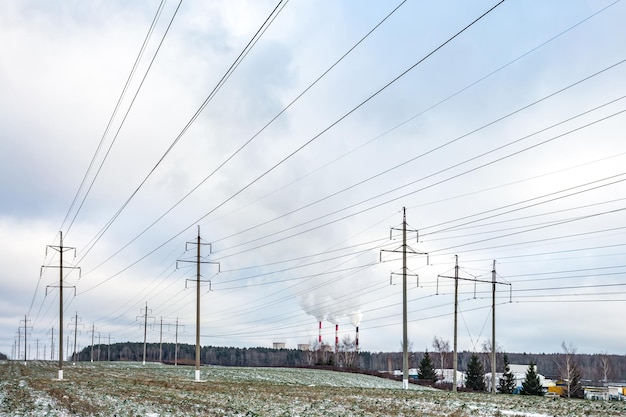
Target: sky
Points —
{"points": [[291, 136]]}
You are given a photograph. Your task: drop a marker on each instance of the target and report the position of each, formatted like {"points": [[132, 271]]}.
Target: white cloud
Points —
{"points": [[280, 249]]}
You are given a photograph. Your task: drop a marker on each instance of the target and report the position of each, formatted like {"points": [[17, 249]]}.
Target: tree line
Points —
{"points": [[596, 367]]}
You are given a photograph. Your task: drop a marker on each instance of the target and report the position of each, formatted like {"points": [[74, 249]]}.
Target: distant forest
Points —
{"points": [[547, 364]]}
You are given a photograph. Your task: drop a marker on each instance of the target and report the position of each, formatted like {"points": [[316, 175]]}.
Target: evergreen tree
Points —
{"points": [[426, 369], [475, 378], [532, 384], [507, 383]]}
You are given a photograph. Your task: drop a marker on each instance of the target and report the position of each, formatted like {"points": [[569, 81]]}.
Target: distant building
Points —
{"points": [[446, 376], [519, 372], [304, 346], [279, 345]]}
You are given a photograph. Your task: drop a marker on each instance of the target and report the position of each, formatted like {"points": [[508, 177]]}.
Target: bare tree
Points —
{"points": [[605, 363], [442, 347], [347, 352], [570, 371], [486, 352]]}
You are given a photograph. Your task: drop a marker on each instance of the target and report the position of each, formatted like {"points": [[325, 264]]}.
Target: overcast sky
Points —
{"points": [[293, 135]]}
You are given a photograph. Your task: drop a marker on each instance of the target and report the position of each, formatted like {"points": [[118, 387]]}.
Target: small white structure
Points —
{"points": [[519, 374], [279, 345], [446, 376]]}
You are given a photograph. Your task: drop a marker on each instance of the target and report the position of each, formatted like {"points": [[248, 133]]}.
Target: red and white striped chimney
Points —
{"points": [[320, 336], [337, 338]]}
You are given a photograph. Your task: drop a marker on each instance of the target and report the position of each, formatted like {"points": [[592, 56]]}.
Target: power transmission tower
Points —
{"points": [[26, 328], [161, 341], [61, 249], [109, 349], [161, 338], [93, 331], [198, 261], [19, 342], [176, 343], [145, 329], [456, 308], [52, 344], [404, 249], [75, 334], [99, 345]]}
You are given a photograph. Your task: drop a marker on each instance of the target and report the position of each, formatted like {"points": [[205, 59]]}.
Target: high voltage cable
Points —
{"points": [[429, 308], [348, 272], [455, 228], [402, 74], [272, 120], [433, 252], [537, 226], [467, 227], [234, 65], [423, 112], [298, 278], [435, 149], [315, 287], [538, 254], [421, 179], [266, 304], [110, 123], [617, 181], [125, 116], [106, 131], [310, 256], [526, 226], [404, 195], [98, 235], [566, 271]]}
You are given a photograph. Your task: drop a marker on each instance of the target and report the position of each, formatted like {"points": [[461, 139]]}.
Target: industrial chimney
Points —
{"points": [[320, 336], [336, 338], [357, 339]]}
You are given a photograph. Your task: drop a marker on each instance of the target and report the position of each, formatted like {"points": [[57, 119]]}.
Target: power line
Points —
{"points": [[415, 181], [216, 88], [354, 109], [110, 123]]}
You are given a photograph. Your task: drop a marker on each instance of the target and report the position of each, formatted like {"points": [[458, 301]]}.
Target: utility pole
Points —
{"points": [[161, 341], [61, 249], [93, 328], [19, 343], [404, 249], [145, 329], [176, 345], [493, 328], [52, 344], [456, 308], [198, 261], [37, 351], [99, 346], [109, 349], [161, 338], [75, 334], [26, 327]]}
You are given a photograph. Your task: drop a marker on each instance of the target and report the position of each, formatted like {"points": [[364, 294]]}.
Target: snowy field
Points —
{"points": [[131, 389]]}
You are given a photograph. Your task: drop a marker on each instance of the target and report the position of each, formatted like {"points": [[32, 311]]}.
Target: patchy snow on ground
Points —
{"points": [[154, 390]]}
